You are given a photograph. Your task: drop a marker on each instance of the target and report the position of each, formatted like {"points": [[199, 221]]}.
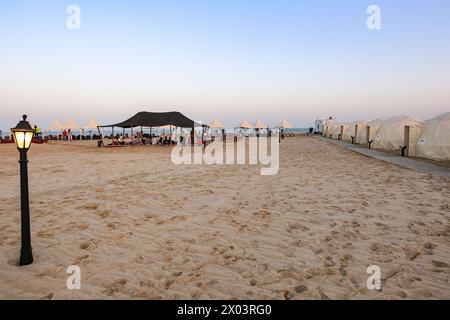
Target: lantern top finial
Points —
{"points": [[23, 125]]}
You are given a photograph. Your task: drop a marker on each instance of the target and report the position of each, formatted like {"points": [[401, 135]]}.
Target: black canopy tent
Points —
{"points": [[154, 119]]}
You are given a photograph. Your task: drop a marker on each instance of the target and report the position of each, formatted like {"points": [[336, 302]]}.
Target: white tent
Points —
{"points": [[285, 125], [71, 124], [346, 131], [245, 125], [435, 140], [334, 130], [374, 128], [350, 131], [260, 125], [55, 126], [392, 132], [92, 124], [216, 124]]}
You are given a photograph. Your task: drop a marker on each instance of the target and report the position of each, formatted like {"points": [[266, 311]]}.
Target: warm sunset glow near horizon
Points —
{"points": [[230, 60]]}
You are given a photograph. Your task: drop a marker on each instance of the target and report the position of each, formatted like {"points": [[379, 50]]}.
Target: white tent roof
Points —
{"points": [[376, 122], [92, 124], [71, 124], [390, 136], [55, 126], [435, 140], [245, 125], [285, 125], [260, 125], [216, 124]]}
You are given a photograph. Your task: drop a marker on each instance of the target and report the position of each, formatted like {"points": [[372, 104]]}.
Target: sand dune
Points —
{"points": [[140, 227]]}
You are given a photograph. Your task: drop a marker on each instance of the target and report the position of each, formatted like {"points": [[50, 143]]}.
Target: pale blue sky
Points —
{"points": [[225, 59]]}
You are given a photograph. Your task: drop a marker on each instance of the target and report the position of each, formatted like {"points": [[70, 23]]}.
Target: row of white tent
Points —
{"points": [[427, 139], [216, 124], [73, 125]]}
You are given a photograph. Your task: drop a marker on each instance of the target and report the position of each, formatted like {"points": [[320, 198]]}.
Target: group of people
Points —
{"points": [[67, 135]]}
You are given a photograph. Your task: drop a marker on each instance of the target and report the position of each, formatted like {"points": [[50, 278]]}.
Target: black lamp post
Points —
{"points": [[23, 135]]}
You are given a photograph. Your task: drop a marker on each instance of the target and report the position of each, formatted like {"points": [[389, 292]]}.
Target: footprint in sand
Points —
{"points": [[328, 262], [79, 260], [45, 234], [47, 297], [116, 286], [90, 244], [76, 226], [90, 206], [439, 264], [429, 247], [166, 283]]}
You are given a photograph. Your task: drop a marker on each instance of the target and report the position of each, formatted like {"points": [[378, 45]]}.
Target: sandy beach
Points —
{"points": [[140, 227]]}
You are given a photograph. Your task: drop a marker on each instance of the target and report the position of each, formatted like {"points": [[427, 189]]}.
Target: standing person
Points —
{"points": [[64, 135], [192, 137], [69, 133], [37, 132]]}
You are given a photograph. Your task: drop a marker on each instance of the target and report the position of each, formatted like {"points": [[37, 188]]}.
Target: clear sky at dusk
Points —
{"points": [[225, 59]]}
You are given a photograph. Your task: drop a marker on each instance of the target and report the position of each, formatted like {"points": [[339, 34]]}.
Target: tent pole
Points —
{"points": [[203, 137], [101, 136], [132, 136]]}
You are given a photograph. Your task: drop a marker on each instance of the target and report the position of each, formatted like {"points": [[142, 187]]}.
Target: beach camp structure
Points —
{"points": [[217, 128], [346, 131], [92, 124], [334, 131], [150, 120], [285, 125], [245, 125], [216, 124], [321, 126], [71, 124], [356, 130], [260, 125], [55, 126], [360, 133], [398, 132], [372, 128], [434, 143]]}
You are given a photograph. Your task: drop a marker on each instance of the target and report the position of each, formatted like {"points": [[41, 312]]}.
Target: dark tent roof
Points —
{"points": [[156, 119]]}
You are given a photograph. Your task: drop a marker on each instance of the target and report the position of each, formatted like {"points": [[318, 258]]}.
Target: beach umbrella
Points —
{"points": [[216, 125], [71, 124], [55, 126], [285, 125], [260, 125], [92, 124], [245, 125]]}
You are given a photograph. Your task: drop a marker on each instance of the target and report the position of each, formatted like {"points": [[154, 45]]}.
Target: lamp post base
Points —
{"points": [[26, 256]]}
